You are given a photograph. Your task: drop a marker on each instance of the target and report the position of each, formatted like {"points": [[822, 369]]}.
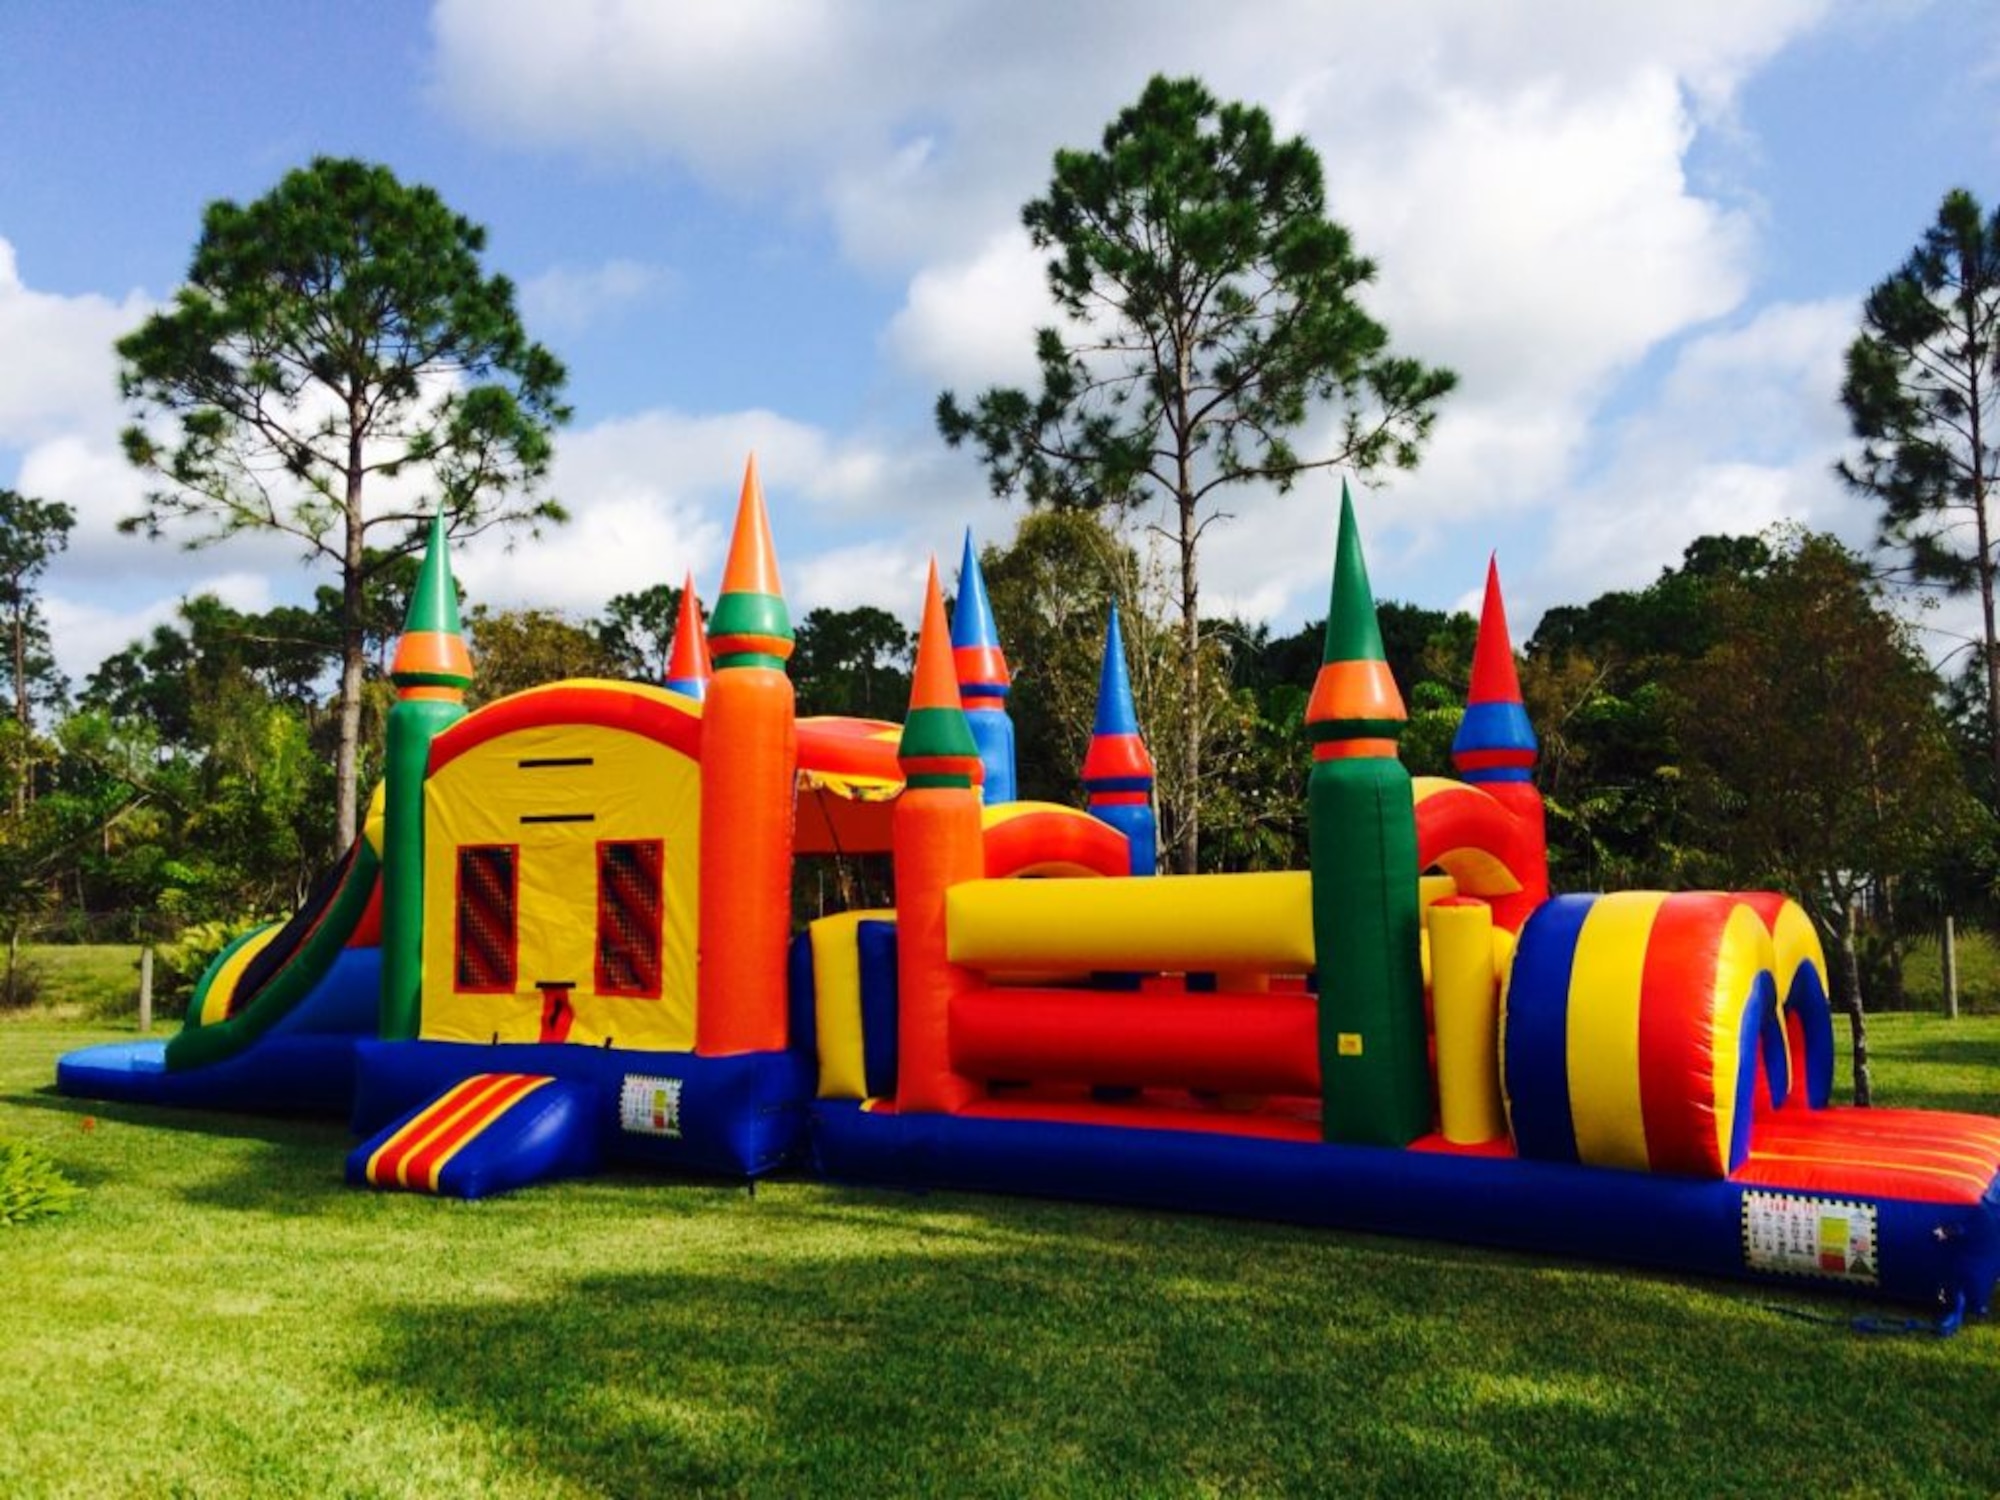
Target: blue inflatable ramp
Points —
{"points": [[486, 1134]]}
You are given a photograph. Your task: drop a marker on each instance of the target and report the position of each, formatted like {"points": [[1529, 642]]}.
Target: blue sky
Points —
{"points": [[1640, 232]]}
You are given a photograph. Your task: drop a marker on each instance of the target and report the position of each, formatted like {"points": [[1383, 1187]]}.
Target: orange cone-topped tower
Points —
{"points": [[749, 744], [938, 843]]}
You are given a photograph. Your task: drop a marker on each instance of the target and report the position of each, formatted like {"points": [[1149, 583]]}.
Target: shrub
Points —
{"points": [[20, 981], [31, 1186]]}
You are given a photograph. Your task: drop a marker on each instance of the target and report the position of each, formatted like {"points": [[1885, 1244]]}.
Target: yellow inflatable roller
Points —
{"points": [[1170, 922]]}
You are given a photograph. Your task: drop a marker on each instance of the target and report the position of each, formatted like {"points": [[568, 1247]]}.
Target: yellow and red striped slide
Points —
{"points": [[479, 1135]]}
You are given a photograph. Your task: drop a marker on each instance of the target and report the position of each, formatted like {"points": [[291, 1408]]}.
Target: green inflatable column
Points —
{"points": [[431, 671], [1363, 836]]}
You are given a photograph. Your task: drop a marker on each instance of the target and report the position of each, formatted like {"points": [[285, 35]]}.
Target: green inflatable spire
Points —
{"points": [[1352, 631], [1362, 832], [431, 671]]}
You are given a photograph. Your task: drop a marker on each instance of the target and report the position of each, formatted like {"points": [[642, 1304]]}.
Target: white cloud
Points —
{"points": [[1744, 434], [60, 373], [569, 299], [727, 86], [888, 575], [970, 324], [85, 631], [655, 495], [1543, 240], [921, 128]]}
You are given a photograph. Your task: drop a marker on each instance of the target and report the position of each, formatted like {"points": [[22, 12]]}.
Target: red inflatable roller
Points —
{"points": [[1227, 1043]]}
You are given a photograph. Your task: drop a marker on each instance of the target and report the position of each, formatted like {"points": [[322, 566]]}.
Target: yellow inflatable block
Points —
{"points": [[836, 957], [1168, 922], [1466, 997]]}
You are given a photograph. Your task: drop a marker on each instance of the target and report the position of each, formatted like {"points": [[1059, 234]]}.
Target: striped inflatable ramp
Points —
{"points": [[485, 1134]]}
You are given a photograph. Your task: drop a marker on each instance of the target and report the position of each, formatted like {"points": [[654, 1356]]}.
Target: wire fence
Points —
{"points": [[70, 928]]}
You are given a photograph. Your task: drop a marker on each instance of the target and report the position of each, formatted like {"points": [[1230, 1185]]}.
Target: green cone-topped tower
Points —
{"points": [[431, 671], [1363, 836]]}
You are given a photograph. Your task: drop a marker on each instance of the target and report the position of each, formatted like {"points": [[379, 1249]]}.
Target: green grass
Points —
{"points": [[1978, 973], [81, 981], [219, 1316]]}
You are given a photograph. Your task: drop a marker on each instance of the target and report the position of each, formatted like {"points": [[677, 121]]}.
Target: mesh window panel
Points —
{"points": [[630, 905], [488, 935]]}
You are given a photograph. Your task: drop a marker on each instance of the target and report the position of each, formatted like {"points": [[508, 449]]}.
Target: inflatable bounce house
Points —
{"points": [[565, 939]]}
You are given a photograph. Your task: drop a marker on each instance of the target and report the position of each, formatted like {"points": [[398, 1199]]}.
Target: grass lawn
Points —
{"points": [[1978, 957], [219, 1316], [81, 981]]}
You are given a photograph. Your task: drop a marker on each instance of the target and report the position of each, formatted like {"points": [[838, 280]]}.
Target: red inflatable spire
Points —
{"points": [[688, 665], [1493, 676]]}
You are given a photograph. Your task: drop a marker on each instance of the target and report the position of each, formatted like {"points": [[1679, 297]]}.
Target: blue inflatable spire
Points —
{"points": [[983, 678], [1118, 769]]}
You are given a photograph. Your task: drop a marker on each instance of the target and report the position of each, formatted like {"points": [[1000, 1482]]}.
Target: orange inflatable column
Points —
{"points": [[938, 843], [749, 766]]}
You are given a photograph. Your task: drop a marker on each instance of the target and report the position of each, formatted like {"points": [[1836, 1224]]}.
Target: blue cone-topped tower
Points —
{"points": [[983, 678], [1118, 769]]}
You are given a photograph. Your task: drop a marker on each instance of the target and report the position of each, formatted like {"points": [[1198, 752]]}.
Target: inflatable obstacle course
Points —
{"points": [[578, 951]]}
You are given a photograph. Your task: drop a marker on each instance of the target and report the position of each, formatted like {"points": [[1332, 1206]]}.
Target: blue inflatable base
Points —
{"points": [[739, 1116], [1936, 1255], [304, 1074]]}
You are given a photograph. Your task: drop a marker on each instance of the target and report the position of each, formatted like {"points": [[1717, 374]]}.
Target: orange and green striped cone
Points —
{"points": [[937, 748]]}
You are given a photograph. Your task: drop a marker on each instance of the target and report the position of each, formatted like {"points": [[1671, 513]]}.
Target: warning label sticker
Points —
{"points": [[650, 1106], [1796, 1235]]}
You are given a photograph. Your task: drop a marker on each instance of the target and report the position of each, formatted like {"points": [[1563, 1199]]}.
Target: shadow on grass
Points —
{"points": [[978, 1351], [1950, 1051], [962, 1371], [274, 1163]]}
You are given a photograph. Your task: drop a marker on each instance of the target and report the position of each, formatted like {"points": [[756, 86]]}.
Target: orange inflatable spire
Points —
{"points": [[753, 562], [937, 747], [750, 625]]}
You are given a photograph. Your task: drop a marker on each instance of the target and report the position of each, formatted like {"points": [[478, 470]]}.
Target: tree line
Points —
{"points": [[1759, 715]]}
